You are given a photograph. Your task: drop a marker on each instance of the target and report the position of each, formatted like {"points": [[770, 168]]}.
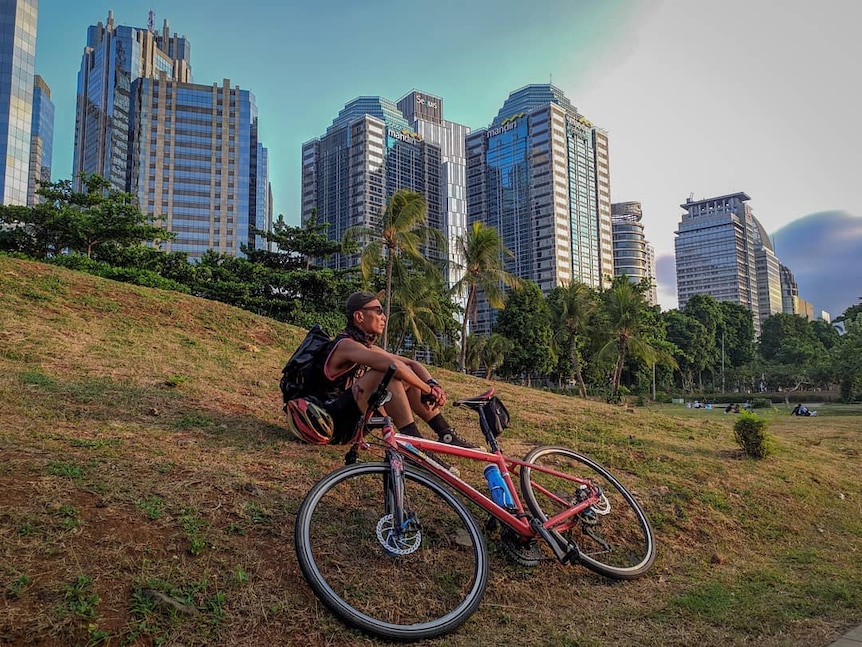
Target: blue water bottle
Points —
{"points": [[499, 490]]}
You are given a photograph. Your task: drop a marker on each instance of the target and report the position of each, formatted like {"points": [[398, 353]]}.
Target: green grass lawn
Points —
{"points": [[148, 493]]}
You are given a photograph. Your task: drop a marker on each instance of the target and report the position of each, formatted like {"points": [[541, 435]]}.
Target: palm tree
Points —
{"points": [[483, 252], [475, 349], [496, 348], [401, 232], [572, 305], [625, 306], [416, 312]]}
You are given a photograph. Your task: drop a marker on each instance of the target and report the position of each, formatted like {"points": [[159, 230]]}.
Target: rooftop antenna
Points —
{"points": [[151, 22]]}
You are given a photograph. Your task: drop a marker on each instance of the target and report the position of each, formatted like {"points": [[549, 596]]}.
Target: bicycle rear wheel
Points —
{"points": [[615, 537], [424, 585]]}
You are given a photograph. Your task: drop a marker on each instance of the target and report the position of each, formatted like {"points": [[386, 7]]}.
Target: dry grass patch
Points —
{"points": [[148, 494]]}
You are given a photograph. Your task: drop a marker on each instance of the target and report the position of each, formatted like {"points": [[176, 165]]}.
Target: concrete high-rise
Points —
{"points": [[425, 115], [723, 250], [539, 175], [17, 70], [791, 302], [41, 140], [375, 147], [189, 153], [633, 254]]}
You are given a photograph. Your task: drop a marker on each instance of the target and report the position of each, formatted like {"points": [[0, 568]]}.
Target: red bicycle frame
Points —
{"points": [[516, 519]]}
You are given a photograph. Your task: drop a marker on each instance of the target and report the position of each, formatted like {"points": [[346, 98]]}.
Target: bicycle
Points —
{"points": [[391, 550]]}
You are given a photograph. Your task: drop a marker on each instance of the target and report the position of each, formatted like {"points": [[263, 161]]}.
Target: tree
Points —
{"points": [[96, 220], [99, 216], [789, 339], [401, 232], [688, 335], [494, 352], [526, 321], [847, 357], [708, 312], [571, 307], [475, 345], [824, 332], [483, 253], [298, 246], [625, 306], [738, 330], [418, 312]]}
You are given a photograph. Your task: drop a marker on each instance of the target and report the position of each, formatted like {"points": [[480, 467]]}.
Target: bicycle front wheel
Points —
{"points": [[614, 537], [412, 585]]}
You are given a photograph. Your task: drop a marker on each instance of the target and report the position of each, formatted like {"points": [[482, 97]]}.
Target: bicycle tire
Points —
{"points": [[427, 593], [629, 541]]}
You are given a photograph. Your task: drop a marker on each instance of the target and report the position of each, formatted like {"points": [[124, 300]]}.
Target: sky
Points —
{"points": [[699, 98]]}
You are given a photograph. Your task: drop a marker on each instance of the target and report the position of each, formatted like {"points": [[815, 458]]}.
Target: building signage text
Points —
{"points": [[405, 136], [429, 102], [505, 126]]}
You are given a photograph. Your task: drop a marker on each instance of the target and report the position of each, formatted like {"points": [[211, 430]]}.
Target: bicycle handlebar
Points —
{"points": [[378, 397]]}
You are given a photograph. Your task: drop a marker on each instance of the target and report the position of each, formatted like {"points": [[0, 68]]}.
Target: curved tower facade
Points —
{"points": [[633, 255]]}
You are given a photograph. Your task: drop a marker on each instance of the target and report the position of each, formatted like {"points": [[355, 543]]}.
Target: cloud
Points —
{"points": [[824, 252]]}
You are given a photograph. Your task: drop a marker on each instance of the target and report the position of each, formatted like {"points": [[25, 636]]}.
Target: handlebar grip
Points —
{"points": [[380, 392], [387, 376]]}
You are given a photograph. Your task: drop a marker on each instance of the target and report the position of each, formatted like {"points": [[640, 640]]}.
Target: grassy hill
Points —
{"points": [[148, 494]]}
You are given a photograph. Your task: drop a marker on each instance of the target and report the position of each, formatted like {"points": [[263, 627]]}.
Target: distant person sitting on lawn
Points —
{"points": [[801, 410]]}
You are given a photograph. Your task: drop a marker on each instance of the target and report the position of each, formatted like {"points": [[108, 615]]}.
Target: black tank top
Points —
{"points": [[326, 386]]}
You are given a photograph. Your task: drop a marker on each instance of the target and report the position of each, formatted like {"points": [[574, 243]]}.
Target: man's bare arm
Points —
{"points": [[350, 352]]}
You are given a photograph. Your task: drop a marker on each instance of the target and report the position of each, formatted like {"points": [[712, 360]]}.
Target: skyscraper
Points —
{"points": [[539, 174], [633, 255], [425, 114], [197, 164], [791, 302], [42, 139], [17, 68], [723, 250], [189, 153], [375, 147], [114, 57]]}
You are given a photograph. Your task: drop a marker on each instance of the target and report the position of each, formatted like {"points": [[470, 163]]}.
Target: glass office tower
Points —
{"points": [[539, 174], [197, 165], [114, 57], [373, 148], [17, 67], [41, 141], [425, 114], [189, 153]]}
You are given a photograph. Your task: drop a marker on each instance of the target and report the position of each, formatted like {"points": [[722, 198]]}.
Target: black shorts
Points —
{"points": [[345, 414]]}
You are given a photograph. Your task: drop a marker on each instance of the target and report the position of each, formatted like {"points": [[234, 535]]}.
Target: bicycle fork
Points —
{"points": [[398, 531]]}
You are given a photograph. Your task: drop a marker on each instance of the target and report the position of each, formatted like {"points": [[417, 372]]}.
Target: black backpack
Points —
{"points": [[297, 373]]}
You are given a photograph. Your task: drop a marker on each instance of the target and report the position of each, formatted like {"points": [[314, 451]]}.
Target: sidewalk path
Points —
{"points": [[852, 638]]}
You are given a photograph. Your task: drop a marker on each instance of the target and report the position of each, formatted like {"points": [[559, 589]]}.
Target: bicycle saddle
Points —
{"points": [[476, 402]]}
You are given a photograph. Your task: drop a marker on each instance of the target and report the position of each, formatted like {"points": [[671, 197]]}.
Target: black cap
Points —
{"points": [[357, 301]]}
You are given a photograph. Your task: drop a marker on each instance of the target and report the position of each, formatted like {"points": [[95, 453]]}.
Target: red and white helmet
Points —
{"points": [[308, 422]]}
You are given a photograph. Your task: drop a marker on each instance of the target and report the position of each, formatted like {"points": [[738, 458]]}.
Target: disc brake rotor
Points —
{"points": [[404, 542]]}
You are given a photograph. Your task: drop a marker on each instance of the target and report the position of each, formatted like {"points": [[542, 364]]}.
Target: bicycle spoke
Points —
{"points": [[613, 535], [432, 569]]}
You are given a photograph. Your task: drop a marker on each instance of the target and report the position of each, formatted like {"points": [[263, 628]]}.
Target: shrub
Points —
{"points": [[750, 433], [761, 403]]}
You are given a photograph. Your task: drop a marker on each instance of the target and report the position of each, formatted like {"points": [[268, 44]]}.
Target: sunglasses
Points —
{"points": [[377, 309]]}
